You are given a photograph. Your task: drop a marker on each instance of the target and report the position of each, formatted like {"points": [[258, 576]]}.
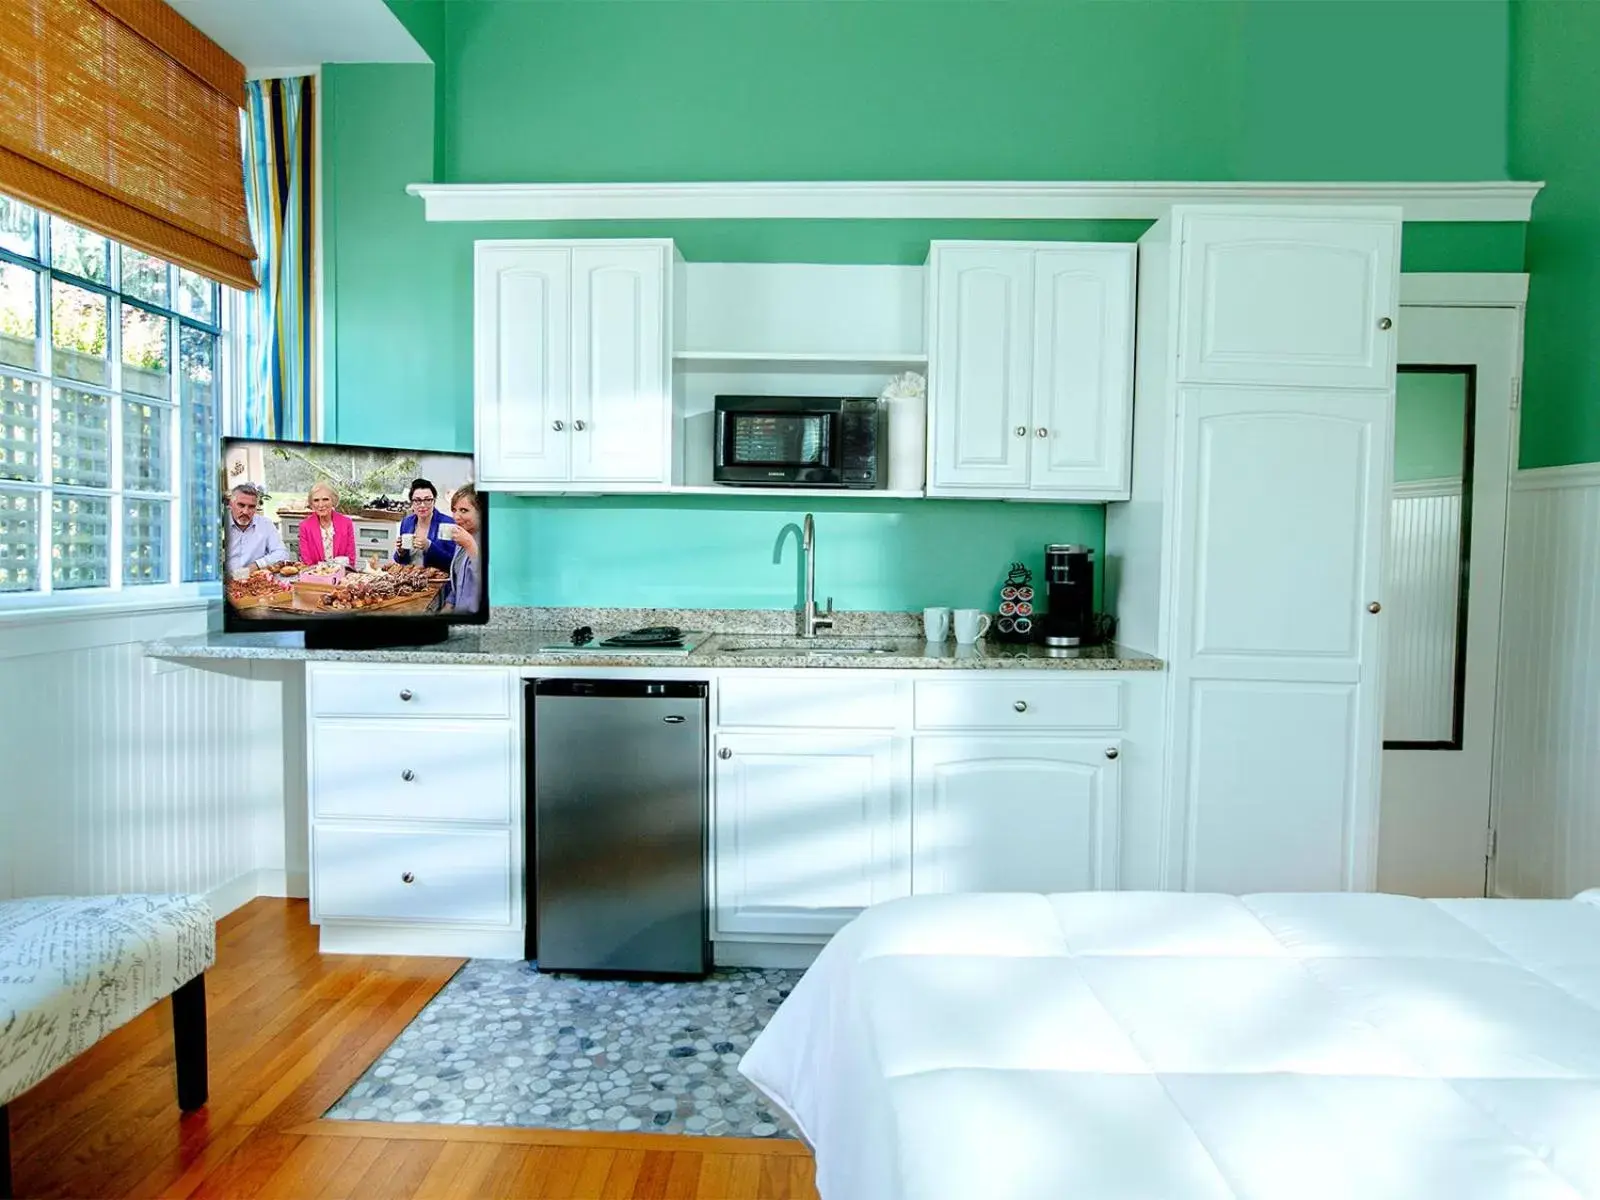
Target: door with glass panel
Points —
{"points": [[1446, 553]]}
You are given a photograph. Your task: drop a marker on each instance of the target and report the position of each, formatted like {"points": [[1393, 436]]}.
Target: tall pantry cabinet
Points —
{"points": [[1250, 552]]}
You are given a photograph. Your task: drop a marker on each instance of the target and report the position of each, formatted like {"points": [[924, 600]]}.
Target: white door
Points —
{"points": [[810, 830], [979, 402], [1082, 370], [1289, 296], [522, 363], [621, 406], [1014, 815], [1458, 369], [1282, 502]]}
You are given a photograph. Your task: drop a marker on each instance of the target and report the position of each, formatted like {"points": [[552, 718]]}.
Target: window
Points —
{"points": [[110, 402]]}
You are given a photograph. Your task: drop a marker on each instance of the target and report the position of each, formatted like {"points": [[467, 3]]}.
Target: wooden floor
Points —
{"points": [[290, 1030]]}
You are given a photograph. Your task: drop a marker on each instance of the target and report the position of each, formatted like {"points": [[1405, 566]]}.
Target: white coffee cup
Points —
{"points": [[447, 533], [971, 624], [936, 624], [407, 541]]}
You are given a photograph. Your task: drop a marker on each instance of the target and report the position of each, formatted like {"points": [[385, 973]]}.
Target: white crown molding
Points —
{"points": [[1421, 489], [1540, 479], [961, 200], [1465, 289]]}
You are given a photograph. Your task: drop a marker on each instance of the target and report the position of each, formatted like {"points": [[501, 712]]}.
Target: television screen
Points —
{"points": [[319, 535]]}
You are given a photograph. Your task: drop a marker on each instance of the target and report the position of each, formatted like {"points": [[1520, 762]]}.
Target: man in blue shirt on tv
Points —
{"points": [[253, 540]]}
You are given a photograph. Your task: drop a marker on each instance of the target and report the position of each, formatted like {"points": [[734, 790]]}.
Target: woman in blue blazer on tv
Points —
{"points": [[420, 527]]}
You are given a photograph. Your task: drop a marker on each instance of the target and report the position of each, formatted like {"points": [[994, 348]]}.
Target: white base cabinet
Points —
{"points": [[998, 814]]}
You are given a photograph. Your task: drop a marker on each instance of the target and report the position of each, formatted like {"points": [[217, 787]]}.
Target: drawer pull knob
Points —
{"points": [[724, 754], [405, 693], [1112, 752], [407, 877], [408, 774], [1021, 706]]}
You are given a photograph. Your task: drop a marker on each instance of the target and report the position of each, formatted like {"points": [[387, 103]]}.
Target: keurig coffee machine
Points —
{"points": [[1069, 596]]}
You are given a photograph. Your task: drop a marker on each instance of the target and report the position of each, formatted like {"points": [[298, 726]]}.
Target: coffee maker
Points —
{"points": [[1069, 595]]}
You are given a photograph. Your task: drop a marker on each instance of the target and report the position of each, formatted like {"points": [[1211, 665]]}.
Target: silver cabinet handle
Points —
{"points": [[724, 753], [1385, 323], [1374, 607], [1112, 752], [408, 774], [579, 426], [407, 877], [405, 693], [1042, 432], [673, 720], [558, 426], [1021, 706], [1022, 431]]}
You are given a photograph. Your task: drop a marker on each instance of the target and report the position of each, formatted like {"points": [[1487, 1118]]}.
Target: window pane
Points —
{"points": [[145, 456], [19, 541], [146, 353], [19, 316], [145, 276], [81, 438], [18, 228], [80, 553], [197, 297], [79, 251], [201, 456], [78, 330], [19, 428], [144, 541]]}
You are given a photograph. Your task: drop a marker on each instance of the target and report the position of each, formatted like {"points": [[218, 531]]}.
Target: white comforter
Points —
{"points": [[1097, 1045]]}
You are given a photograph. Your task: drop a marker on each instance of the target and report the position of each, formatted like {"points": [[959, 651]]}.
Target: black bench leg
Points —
{"points": [[189, 1043], [5, 1153]]}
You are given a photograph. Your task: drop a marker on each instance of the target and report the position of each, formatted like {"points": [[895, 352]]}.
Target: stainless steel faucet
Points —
{"points": [[810, 622]]}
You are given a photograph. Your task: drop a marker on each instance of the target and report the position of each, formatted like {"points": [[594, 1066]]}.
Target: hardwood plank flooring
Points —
{"points": [[290, 1030]]}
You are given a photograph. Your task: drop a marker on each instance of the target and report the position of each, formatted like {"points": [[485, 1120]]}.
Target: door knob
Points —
{"points": [[1022, 431], [724, 753], [1385, 323], [1112, 752], [1374, 607], [407, 877], [1042, 432], [578, 425], [408, 774], [405, 693], [558, 426]]}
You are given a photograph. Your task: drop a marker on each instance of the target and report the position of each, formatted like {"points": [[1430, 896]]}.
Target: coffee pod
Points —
{"points": [[1024, 609], [1008, 592], [1024, 625], [1024, 593], [1006, 625], [1008, 608]]}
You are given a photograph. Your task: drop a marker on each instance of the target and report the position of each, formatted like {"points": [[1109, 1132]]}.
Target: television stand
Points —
{"points": [[376, 634]]}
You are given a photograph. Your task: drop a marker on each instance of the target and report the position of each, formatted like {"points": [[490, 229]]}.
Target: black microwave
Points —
{"points": [[800, 441]]}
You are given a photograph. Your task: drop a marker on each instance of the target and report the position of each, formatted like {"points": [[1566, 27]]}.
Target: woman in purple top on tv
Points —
{"points": [[422, 524]]}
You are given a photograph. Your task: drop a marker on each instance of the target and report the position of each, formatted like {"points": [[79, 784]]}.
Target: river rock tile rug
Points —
{"points": [[502, 1044]]}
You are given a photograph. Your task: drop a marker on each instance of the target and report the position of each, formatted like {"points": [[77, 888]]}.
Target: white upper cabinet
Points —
{"points": [[571, 364], [1030, 370], [1288, 298]]}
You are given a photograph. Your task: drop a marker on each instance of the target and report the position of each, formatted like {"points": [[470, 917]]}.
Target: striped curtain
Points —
{"points": [[276, 398]]}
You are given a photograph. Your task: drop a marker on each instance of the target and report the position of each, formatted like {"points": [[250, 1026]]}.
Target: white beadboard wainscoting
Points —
{"points": [[1548, 765], [1424, 567], [124, 774]]}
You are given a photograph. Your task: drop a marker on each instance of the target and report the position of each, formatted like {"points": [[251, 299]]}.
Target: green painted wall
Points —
{"points": [[1430, 425], [1555, 97], [695, 89]]}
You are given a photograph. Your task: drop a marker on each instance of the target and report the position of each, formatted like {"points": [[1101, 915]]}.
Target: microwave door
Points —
{"points": [[776, 448]]}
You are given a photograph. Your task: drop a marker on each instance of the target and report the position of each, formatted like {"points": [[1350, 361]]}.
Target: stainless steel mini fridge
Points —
{"points": [[617, 814]]}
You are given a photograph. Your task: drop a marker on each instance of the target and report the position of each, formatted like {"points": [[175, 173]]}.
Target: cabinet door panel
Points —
{"points": [[1289, 298], [620, 404], [979, 370], [1082, 370], [1014, 815], [809, 832], [522, 352]]}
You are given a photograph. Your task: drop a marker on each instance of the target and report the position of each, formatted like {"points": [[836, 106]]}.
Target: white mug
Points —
{"points": [[407, 540], [447, 533], [971, 624], [936, 624]]}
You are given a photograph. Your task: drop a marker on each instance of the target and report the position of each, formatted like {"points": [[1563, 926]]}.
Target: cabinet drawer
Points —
{"points": [[462, 877], [1021, 706], [418, 770], [826, 702], [408, 691]]}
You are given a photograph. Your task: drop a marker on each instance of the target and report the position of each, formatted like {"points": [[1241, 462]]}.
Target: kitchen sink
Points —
{"points": [[806, 647]]}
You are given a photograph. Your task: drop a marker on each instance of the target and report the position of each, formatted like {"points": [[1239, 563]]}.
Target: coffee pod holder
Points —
{"points": [[1016, 621]]}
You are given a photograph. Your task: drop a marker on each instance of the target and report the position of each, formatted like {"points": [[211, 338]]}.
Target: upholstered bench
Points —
{"points": [[72, 969]]}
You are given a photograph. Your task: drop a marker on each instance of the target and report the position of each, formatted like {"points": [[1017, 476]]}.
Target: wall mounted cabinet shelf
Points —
{"points": [[779, 360]]}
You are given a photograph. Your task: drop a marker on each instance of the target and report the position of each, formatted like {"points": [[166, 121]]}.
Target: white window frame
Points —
{"points": [[228, 368]]}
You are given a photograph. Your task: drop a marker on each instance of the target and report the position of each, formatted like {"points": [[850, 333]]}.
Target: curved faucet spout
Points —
{"points": [[810, 622]]}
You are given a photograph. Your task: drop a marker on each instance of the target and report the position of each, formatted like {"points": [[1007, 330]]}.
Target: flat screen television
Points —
{"points": [[358, 546]]}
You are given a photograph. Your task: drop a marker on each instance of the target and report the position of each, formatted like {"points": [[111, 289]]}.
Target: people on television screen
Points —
{"points": [[420, 527], [463, 593], [327, 535], [253, 539]]}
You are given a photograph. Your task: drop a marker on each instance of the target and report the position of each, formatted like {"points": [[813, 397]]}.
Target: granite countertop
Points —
{"points": [[517, 646]]}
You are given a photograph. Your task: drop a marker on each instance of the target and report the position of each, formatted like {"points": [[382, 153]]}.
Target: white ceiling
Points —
{"points": [[281, 36]]}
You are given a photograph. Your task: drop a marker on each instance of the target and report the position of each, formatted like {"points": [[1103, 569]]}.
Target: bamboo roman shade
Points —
{"points": [[122, 117]]}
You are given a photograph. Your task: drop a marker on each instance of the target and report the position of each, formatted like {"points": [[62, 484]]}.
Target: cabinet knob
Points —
{"points": [[1374, 607], [558, 426], [1042, 432], [579, 426], [724, 753], [408, 774], [407, 877], [1385, 323], [1021, 706], [1112, 752], [405, 693], [1022, 431]]}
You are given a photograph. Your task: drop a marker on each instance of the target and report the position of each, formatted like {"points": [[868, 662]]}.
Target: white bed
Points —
{"points": [[1197, 1047]]}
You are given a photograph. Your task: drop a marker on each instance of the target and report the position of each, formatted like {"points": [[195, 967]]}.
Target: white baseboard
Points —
{"points": [[798, 955], [296, 885], [415, 941], [237, 892]]}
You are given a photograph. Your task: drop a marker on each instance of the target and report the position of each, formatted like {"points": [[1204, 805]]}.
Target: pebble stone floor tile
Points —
{"points": [[502, 1044]]}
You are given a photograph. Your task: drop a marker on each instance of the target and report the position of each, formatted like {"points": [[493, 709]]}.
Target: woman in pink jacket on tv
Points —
{"points": [[327, 535]]}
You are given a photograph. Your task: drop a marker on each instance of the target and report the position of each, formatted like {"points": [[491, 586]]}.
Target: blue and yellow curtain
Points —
{"points": [[276, 399]]}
